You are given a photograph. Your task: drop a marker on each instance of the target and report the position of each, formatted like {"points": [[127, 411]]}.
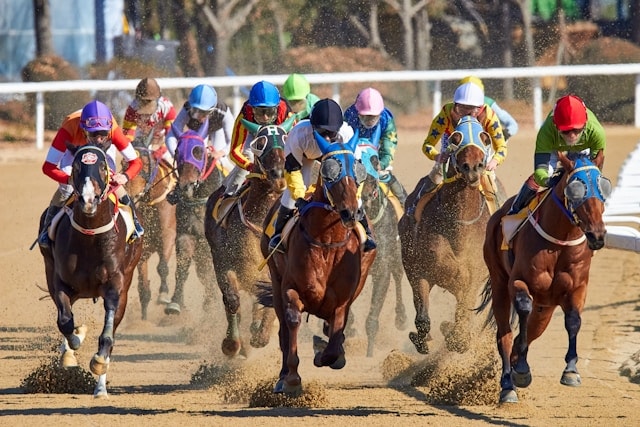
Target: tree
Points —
{"points": [[42, 26], [407, 10]]}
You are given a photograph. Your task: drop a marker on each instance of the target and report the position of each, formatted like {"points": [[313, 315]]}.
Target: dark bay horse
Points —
{"points": [[545, 265], [198, 177], [149, 191], [324, 267], [383, 212], [234, 235], [90, 258], [442, 246]]}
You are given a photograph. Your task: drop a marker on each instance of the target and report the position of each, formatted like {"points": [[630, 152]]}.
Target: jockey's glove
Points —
{"points": [[301, 203], [174, 196]]}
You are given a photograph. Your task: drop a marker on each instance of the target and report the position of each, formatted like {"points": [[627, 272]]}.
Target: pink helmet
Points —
{"points": [[369, 102]]}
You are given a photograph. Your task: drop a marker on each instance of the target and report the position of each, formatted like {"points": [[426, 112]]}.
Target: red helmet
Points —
{"points": [[569, 113]]}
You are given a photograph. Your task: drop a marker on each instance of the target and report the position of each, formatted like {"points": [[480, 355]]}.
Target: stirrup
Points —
{"points": [[369, 244], [43, 239], [275, 244]]}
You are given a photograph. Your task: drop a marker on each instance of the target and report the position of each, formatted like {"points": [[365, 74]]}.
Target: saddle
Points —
{"points": [[511, 224], [397, 206], [223, 206]]}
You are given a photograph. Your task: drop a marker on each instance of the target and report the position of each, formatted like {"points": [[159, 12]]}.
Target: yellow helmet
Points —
{"points": [[473, 79]]}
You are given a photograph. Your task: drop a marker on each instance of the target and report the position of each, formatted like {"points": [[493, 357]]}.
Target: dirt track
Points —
{"points": [[153, 361]]}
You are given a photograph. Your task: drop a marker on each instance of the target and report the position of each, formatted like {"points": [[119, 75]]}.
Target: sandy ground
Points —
{"points": [[154, 360]]}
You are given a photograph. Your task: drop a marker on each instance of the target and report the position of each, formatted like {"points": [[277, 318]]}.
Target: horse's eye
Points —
{"points": [[575, 190], [360, 172], [330, 169], [605, 187]]}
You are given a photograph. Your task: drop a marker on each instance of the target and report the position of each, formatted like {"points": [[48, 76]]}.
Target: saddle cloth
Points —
{"points": [[511, 224]]}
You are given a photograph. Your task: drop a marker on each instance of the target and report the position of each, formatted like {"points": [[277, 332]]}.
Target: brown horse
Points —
{"points": [[90, 258], [234, 235], [149, 191], [545, 265], [444, 247], [324, 267], [198, 177], [383, 214]]}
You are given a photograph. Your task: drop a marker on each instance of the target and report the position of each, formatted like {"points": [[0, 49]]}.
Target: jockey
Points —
{"points": [[93, 125], [508, 123], [203, 111], [376, 125], [297, 92], [571, 127], [148, 118], [468, 100], [302, 151], [264, 107]]}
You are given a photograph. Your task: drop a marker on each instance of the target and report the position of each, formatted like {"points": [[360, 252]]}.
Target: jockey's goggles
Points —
{"points": [[466, 110], [368, 121], [98, 122], [97, 134], [265, 114], [327, 134], [572, 131], [198, 114]]}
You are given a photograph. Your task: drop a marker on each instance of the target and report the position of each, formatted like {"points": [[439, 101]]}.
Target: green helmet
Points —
{"points": [[296, 87]]}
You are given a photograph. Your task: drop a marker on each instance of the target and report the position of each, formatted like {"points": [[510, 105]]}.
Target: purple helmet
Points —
{"points": [[96, 116]]}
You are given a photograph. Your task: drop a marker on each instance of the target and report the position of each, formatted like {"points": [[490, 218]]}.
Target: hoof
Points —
{"points": [[231, 347], [172, 308], [100, 390], [319, 344], [521, 380], [282, 387], [68, 359], [77, 337], [340, 363], [163, 298], [508, 396], [571, 379], [99, 365], [401, 321], [259, 341], [419, 343]]}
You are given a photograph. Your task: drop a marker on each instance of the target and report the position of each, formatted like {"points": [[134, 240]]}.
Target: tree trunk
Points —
{"points": [[423, 52], [42, 26], [188, 50], [634, 18], [507, 54]]}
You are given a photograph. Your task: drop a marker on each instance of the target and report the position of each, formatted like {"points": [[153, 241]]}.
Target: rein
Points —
{"points": [[99, 230]]}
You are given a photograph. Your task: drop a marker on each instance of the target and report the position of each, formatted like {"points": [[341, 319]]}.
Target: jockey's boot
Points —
{"points": [[398, 190], [369, 244], [139, 231], [523, 198], [43, 239], [284, 214], [425, 186]]}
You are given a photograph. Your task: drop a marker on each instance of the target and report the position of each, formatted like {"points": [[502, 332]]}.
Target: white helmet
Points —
{"points": [[469, 94]]}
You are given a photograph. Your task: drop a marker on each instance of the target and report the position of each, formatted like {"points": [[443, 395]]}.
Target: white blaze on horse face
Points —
{"points": [[88, 195]]}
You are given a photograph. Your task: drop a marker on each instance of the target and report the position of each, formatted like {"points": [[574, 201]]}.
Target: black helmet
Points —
{"points": [[326, 114]]}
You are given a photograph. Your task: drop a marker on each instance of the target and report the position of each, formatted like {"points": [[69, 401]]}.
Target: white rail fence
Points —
{"points": [[236, 82]]}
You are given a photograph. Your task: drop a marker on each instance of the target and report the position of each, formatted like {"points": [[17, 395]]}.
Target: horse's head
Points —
{"points": [[191, 159], [138, 186], [90, 177], [340, 176], [370, 188], [585, 191], [468, 143], [268, 148]]}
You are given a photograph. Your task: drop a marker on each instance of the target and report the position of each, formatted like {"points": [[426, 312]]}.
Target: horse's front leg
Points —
{"points": [[204, 270], [501, 306], [332, 353], [261, 325], [401, 312], [523, 305], [167, 220], [292, 383], [421, 289], [572, 323], [380, 278], [185, 248], [144, 285]]}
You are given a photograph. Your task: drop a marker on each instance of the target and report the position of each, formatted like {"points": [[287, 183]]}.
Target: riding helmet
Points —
{"points": [[369, 102], [569, 113], [469, 94], [203, 97], [264, 94], [96, 116], [326, 114], [473, 79], [296, 87]]}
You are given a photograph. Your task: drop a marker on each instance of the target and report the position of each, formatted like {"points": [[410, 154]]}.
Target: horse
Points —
{"points": [[442, 245], [545, 265], [90, 258], [149, 191], [383, 213], [324, 267], [234, 234], [198, 177]]}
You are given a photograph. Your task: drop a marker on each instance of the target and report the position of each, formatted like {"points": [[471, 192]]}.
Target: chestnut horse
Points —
{"points": [[443, 247], [90, 258], [324, 267], [149, 190], [383, 213], [545, 265], [234, 238], [198, 177]]}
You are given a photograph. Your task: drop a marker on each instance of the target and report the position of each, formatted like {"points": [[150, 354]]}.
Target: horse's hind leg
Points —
{"points": [[332, 354], [501, 306], [572, 323], [523, 304], [262, 325], [419, 338], [184, 255], [380, 280], [292, 383], [67, 354], [144, 287], [401, 312], [167, 219]]}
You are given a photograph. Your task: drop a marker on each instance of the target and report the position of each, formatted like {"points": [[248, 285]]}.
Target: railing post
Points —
{"points": [[437, 97], [637, 101], [336, 92], [39, 120], [537, 103]]}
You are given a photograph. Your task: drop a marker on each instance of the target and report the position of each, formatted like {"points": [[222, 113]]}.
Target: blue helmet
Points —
{"points": [[203, 97], [96, 116], [264, 94]]}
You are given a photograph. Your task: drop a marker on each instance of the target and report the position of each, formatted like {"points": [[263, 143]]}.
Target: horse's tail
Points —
{"points": [[264, 293], [486, 302]]}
